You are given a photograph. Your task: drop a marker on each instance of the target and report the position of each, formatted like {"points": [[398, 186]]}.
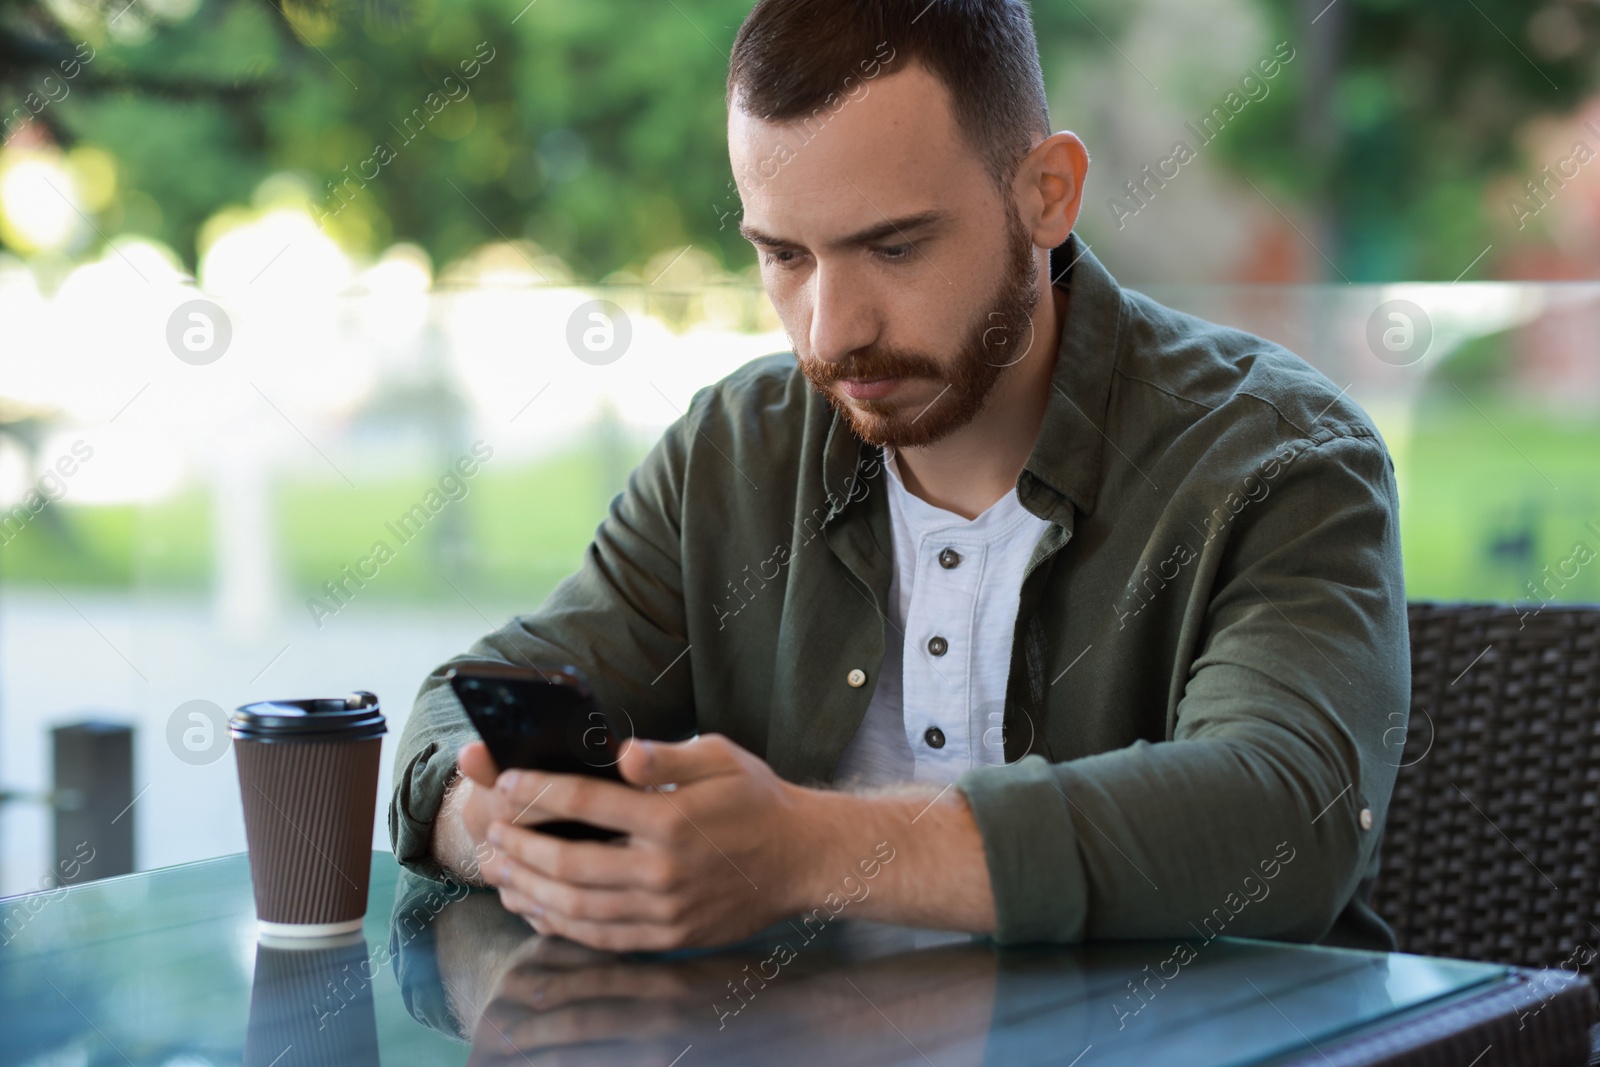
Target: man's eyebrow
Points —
{"points": [[871, 235]]}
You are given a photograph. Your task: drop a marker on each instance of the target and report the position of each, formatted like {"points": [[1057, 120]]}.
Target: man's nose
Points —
{"points": [[842, 315]]}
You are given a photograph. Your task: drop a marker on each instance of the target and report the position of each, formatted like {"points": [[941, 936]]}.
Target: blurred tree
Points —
{"points": [[597, 129], [1403, 113]]}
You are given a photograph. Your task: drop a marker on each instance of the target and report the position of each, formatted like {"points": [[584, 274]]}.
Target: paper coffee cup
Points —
{"points": [[308, 778]]}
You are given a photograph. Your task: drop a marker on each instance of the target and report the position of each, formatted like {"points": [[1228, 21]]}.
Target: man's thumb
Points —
{"points": [[475, 762], [669, 762]]}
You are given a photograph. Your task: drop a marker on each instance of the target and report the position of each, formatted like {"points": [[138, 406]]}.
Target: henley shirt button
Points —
{"points": [[938, 646], [934, 737], [857, 678], [949, 559], [1366, 818]]}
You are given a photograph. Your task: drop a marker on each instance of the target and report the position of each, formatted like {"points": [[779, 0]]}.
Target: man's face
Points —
{"points": [[905, 282]]}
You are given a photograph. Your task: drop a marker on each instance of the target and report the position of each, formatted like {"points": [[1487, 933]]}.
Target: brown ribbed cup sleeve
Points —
{"points": [[308, 818]]}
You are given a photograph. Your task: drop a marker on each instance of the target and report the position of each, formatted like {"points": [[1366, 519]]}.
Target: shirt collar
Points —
{"points": [[1064, 468], [922, 518], [1068, 454]]}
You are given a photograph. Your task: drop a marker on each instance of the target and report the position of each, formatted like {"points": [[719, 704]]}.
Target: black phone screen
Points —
{"points": [[547, 721]]}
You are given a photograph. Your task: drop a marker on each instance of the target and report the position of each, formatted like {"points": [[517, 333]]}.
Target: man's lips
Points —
{"points": [[868, 388]]}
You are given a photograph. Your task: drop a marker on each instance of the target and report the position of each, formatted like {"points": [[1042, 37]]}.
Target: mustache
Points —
{"points": [[871, 364]]}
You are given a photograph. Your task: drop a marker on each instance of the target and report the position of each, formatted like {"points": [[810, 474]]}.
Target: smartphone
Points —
{"points": [[544, 720]]}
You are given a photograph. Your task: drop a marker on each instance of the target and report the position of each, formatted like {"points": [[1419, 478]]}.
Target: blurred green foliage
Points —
{"points": [[1399, 113], [598, 131]]}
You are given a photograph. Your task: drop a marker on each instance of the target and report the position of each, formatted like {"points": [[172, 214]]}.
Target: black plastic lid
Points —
{"points": [[352, 718]]}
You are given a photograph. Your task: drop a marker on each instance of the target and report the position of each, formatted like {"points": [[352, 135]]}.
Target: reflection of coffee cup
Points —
{"points": [[308, 776], [311, 1004]]}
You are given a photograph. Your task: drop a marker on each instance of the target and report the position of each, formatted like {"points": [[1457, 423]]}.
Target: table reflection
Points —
{"points": [[844, 992], [311, 1004], [858, 992]]}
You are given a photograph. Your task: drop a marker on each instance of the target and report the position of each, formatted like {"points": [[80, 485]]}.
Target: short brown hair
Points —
{"points": [[792, 58]]}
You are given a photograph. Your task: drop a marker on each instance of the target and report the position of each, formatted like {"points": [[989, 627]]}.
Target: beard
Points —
{"points": [[997, 339]]}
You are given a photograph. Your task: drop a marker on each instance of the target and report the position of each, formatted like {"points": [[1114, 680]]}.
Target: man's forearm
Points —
{"points": [[912, 855], [452, 846]]}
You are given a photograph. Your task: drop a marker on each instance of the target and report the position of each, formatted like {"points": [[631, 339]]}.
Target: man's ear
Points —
{"points": [[1049, 187]]}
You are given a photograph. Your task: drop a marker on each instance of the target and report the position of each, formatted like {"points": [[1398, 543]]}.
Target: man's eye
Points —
{"points": [[775, 258], [893, 253]]}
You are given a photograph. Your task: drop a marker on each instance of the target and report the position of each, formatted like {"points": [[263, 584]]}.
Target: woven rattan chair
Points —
{"points": [[1491, 850]]}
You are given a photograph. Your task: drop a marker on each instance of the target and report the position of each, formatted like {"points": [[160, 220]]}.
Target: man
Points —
{"points": [[1094, 608]]}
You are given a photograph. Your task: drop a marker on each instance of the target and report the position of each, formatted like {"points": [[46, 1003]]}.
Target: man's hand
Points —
{"points": [[717, 848]]}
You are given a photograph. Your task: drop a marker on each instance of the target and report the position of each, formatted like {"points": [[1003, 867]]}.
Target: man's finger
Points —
{"points": [[562, 901], [613, 936], [520, 904], [677, 762], [595, 864], [475, 762], [531, 797]]}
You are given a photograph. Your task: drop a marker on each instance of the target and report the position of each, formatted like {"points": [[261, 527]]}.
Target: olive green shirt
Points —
{"points": [[1210, 642]]}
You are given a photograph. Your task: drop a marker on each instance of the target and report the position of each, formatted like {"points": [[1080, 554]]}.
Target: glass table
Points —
{"points": [[164, 968]]}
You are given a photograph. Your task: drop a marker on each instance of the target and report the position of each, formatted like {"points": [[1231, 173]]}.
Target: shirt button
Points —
{"points": [[938, 646], [934, 737], [1366, 818], [949, 559], [857, 678]]}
